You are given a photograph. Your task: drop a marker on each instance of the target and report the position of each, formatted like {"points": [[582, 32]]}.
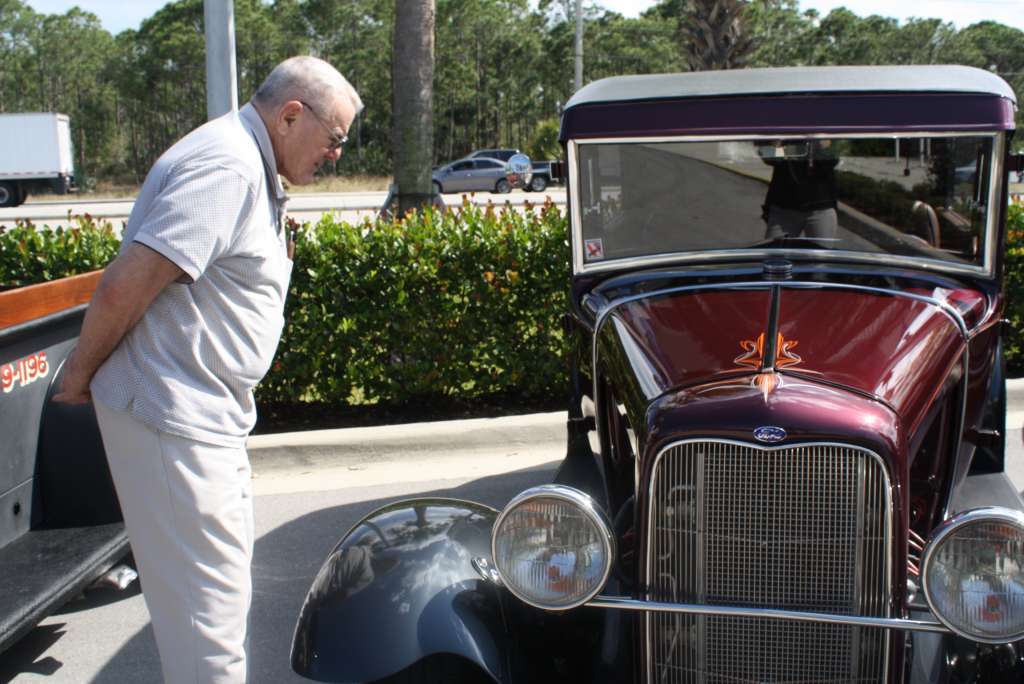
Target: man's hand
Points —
{"points": [[128, 286], [73, 390]]}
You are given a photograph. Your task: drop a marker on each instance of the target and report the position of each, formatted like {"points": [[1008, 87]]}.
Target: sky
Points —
{"points": [[118, 15]]}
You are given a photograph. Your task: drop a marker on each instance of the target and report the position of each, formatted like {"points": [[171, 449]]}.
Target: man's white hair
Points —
{"points": [[308, 79]]}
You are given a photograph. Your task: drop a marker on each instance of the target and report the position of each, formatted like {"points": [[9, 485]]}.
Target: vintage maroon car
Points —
{"points": [[786, 433]]}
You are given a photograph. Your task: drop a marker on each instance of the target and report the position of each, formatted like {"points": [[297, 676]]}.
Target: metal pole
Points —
{"points": [[221, 84], [579, 45]]}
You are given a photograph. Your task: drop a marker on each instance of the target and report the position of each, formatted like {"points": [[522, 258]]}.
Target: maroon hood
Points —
{"points": [[893, 348]]}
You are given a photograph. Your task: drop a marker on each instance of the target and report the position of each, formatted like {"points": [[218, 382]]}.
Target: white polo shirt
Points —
{"points": [[213, 204]]}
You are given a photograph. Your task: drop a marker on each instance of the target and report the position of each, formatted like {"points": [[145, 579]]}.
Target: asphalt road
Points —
{"points": [[309, 489], [346, 206]]}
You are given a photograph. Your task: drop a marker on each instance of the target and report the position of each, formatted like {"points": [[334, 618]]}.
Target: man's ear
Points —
{"points": [[287, 116]]}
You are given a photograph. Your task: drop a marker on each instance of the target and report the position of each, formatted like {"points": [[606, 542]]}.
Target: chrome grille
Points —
{"points": [[795, 528]]}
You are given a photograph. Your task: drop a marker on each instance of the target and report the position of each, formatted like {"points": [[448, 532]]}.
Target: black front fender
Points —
{"points": [[399, 587]]}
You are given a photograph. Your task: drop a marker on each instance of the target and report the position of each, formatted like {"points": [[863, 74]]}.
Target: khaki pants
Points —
{"points": [[188, 512]]}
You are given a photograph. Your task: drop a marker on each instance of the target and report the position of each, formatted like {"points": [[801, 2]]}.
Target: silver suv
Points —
{"points": [[472, 175], [502, 153]]}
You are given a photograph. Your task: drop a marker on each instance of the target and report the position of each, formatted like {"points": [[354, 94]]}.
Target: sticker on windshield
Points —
{"points": [[595, 250]]}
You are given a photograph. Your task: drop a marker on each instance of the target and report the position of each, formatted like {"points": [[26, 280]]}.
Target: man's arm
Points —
{"points": [[128, 286]]}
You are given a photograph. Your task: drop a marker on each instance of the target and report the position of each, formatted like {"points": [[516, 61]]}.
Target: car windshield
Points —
{"points": [[920, 197]]}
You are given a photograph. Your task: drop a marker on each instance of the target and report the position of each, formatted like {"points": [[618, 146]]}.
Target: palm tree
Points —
{"points": [[712, 33], [412, 88]]}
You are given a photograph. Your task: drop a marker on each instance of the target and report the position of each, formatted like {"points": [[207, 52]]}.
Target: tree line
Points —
{"points": [[503, 68]]}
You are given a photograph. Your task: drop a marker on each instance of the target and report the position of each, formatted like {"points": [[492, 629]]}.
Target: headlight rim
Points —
{"points": [[945, 530], [589, 507]]}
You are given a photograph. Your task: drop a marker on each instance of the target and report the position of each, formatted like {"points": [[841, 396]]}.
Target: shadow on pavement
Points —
{"points": [[94, 598], [30, 648]]}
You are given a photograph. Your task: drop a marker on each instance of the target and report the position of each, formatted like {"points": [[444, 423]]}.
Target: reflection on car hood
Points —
{"points": [[893, 348]]}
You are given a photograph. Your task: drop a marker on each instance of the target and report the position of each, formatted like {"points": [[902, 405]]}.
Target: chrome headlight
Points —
{"points": [[973, 573], [552, 547]]}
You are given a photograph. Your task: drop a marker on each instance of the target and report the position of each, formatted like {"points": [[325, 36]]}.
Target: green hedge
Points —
{"points": [[1014, 281], [454, 306], [28, 255]]}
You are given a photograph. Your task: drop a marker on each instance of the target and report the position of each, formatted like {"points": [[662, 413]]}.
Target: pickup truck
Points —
{"points": [[543, 176], [60, 521]]}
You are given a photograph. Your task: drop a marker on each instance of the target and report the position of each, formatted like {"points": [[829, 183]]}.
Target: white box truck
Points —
{"points": [[35, 155]]}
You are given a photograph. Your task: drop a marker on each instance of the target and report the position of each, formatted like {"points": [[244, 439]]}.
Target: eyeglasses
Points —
{"points": [[337, 139]]}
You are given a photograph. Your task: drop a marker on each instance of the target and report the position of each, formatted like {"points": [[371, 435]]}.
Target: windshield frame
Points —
{"points": [[986, 269]]}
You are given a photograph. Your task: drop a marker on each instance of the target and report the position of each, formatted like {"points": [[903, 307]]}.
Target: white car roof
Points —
{"points": [[795, 80]]}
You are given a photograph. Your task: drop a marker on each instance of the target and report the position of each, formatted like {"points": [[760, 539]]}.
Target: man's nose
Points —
{"points": [[334, 155]]}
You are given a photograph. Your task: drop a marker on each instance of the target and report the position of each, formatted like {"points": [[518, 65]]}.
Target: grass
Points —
{"points": [[112, 190], [344, 184], [103, 190]]}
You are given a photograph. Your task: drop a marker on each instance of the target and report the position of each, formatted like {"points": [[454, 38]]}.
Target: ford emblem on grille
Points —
{"points": [[770, 434]]}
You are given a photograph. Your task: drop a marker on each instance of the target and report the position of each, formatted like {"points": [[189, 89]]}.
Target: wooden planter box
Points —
{"points": [[36, 301]]}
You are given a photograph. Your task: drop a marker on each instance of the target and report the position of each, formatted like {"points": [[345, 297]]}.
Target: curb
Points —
{"points": [[377, 444], [1014, 403], [1015, 391]]}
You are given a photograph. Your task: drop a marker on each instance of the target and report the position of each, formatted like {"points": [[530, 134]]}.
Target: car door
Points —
{"points": [[486, 174], [459, 178]]}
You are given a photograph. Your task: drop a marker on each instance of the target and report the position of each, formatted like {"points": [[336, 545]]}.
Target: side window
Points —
{"points": [[503, 155], [463, 166], [932, 189], [488, 164]]}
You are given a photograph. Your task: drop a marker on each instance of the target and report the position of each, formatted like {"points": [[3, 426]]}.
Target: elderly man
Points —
{"points": [[182, 326]]}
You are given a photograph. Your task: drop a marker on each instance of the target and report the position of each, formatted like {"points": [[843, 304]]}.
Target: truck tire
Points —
{"points": [[10, 195], [538, 183]]}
